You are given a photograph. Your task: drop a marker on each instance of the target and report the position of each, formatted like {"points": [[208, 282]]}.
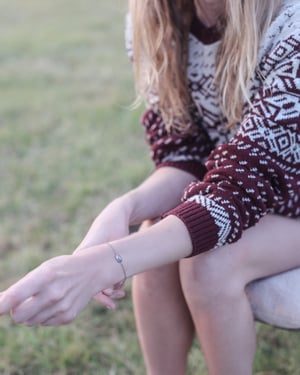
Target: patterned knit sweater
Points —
{"points": [[248, 171]]}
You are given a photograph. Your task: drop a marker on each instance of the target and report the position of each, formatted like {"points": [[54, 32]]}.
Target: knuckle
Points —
{"points": [[68, 317], [16, 318], [13, 297], [48, 273], [64, 307], [55, 295]]}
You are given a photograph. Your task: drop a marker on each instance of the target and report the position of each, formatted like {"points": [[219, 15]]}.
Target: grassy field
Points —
{"points": [[68, 145]]}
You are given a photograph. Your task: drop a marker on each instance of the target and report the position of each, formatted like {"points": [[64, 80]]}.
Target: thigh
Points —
{"points": [[159, 283], [266, 259], [270, 247]]}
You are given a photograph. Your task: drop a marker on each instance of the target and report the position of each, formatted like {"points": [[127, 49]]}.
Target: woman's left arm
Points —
{"points": [[54, 293], [257, 172]]}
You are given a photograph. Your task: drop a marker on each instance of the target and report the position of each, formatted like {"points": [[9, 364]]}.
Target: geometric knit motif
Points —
{"points": [[280, 109], [252, 169], [219, 213]]}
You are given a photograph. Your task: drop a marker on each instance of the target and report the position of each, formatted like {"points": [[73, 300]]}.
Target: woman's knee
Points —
{"points": [[210, 279]]}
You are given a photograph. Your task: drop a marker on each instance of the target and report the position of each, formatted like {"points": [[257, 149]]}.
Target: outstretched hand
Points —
{"points": [[55, 292]]}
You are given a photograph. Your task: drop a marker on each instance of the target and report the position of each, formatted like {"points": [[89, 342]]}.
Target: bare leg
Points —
{"points": [[214, 286], [223, 318], [163, 321]]}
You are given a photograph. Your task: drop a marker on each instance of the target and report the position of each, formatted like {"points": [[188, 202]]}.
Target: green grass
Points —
{"points": [[68, 145]]}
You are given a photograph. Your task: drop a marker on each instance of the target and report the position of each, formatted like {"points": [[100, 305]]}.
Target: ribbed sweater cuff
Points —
{"points": [[199, 223]]}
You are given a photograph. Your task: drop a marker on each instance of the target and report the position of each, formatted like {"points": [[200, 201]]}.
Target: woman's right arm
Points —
{"points": [[179, 158], [149, 200]]}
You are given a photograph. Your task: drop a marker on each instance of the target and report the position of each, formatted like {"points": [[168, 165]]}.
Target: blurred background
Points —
{"points": [[68, 145]]}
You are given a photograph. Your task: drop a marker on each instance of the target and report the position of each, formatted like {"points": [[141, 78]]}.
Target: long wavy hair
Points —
{"points": [[160, 53]]}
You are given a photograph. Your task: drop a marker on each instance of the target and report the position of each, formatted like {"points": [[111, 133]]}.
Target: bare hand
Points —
{"points": [[54, 293]]}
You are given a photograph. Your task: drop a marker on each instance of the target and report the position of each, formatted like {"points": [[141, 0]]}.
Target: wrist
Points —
{"points": [[129, 203], [121, 206], [119, 259], [102, 267]]}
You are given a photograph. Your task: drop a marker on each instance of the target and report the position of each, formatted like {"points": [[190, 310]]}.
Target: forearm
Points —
{"points": [[157, 194], [163, 243]]}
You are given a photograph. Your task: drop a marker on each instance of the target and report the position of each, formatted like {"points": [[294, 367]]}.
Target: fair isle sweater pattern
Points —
{"points": [[248, 171]]}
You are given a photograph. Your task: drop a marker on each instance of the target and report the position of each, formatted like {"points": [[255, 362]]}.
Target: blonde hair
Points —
{"points": [[160, 52]]}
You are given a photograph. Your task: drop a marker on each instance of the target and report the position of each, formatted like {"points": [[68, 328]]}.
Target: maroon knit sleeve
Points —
{"points": [[258, 171], [185, 151]]}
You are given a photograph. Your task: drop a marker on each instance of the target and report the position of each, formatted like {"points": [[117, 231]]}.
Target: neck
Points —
{"points": [[209, 11]]}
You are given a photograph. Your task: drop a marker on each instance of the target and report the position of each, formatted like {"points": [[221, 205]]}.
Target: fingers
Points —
{"points": [[32, 306], [60, 310], [105, 300], [57, 321], [107, 296], [114, 293], [119, 285], [25, 288], [108, 301], [53, 316]]}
